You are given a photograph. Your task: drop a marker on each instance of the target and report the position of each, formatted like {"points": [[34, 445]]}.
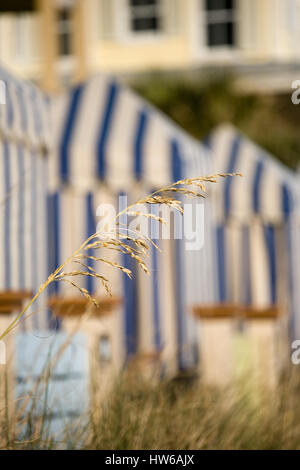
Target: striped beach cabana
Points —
{"points": [[109, 142], [24, 144], [24, 151], [257, 218]]}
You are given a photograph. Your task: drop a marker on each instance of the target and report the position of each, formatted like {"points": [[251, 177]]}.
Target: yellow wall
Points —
{"points": [[129, 52], [157, 54], [264, 35]]}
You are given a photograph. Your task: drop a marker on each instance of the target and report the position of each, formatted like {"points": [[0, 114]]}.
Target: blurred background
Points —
{"points": [[200, 61]]}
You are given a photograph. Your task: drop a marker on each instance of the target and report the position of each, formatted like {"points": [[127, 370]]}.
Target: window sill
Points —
{"points": [[132, 38]]}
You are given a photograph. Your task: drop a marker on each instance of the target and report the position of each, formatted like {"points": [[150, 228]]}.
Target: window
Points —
{"points": [[220, 22], [145, 15], [64, 31]]}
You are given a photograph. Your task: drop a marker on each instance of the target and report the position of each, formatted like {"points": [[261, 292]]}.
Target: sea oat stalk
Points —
{"points": [[134, 245]]}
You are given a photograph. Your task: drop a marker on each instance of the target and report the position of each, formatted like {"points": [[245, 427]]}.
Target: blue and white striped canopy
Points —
{"points": [[108, 138], [267, 189], [24, 117], [257, 225], [104, 132], [24, 141]]}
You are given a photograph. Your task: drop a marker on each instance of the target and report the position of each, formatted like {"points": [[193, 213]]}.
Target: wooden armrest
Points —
{"points": [[271, 312], [11, 301], [236, 311], [77, 306], [217, 311]]}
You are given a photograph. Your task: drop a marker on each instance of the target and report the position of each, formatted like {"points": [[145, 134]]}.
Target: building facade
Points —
{"points": [[58, 40]]}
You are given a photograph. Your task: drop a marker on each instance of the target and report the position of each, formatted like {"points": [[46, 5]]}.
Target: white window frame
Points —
{"points": [[123, 28], [220, 17]]}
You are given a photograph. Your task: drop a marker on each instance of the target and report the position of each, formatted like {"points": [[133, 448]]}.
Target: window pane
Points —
{"points": [[64, 45], [64, 26], [105, 353], [64, 15], [219, 4], [221, 34], [144, 15], [145, 24], [220, 22], [142, 2]]}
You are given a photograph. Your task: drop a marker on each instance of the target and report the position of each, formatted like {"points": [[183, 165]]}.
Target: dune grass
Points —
{"points": [[179, 414], [136, 414]]}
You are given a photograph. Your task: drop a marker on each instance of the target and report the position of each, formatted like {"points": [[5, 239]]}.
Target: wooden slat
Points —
{"points": [[217, 311], [76, 306], [235, 311], [11, 301], [263, 314]]}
